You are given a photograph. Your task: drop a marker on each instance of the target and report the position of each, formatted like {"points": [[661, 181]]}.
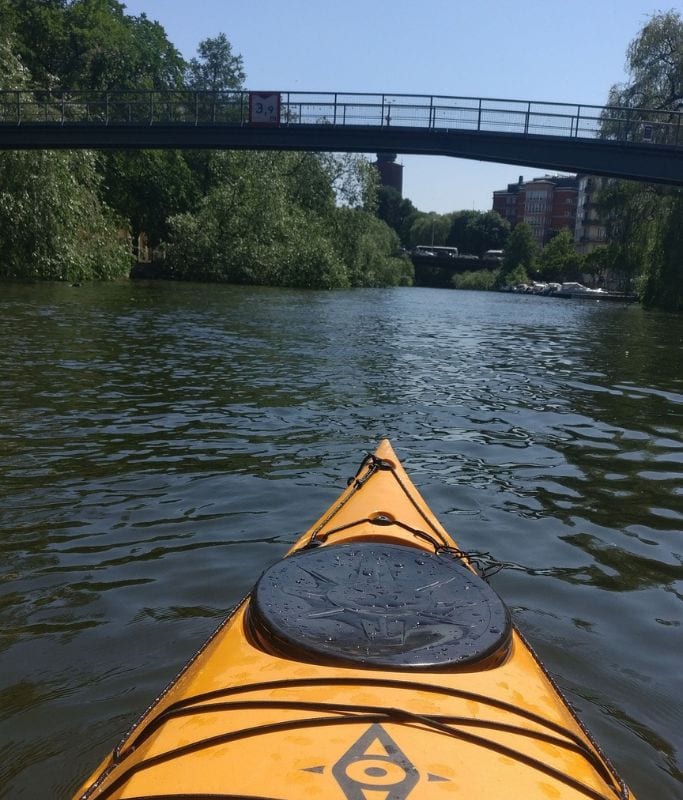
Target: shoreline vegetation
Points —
{"points": [[302, 219]]}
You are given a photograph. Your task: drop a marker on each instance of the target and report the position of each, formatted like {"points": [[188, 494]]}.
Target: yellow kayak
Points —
{"points": [[372, 663]]}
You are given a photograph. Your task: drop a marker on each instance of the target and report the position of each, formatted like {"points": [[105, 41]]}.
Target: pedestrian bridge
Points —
{"points": [[638, 144]]}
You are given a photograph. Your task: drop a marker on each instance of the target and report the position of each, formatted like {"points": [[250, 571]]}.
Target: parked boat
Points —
{"points": [[579, 291], [373, 662]]}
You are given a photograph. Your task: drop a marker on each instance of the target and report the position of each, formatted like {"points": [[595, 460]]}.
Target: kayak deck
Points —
{"points": [[370, 664]]}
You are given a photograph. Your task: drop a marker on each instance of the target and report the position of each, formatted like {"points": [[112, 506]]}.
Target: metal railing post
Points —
{"points": [[431, 112], [479, 117], [334, 116], [578, 118], [381, 124], [526, 121]]}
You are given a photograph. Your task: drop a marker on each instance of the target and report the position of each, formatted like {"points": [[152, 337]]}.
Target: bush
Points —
{"points": [[482, 280]]}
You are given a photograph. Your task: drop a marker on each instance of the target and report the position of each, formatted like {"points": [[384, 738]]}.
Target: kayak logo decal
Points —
{"points": [[375, 764]]}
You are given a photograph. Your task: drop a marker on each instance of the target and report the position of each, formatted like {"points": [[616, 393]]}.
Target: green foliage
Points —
{"points": [[520, 255], [475, 232], [645, 246], [663, 281], [354, 180], [654, 63], [261, 224], [632, 216], [481, 280], [52, 226], [429, 229], [217, 68], [148, 186], [294, 219], [599, 263], [94, 45], [398, 212], [12, 71], [559, 259], [368, 249], [514, 277], [310, 184]]}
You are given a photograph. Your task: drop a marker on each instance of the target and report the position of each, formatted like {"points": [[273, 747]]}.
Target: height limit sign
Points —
{"points": [[264, 108]]}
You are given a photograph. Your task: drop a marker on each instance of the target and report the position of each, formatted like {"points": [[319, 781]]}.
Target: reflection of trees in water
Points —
{"points": [[622, 570], [658, 743], [621, 444]]}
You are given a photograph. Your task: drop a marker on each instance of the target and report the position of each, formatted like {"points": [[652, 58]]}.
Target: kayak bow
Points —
{"points": [[371, 663]]}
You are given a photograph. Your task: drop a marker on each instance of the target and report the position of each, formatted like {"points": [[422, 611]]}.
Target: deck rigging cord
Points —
{"points": [[378, 715], [483, 563]]}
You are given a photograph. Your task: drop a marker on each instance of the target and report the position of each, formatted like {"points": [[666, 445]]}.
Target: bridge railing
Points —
{"points": [[434, 113]]}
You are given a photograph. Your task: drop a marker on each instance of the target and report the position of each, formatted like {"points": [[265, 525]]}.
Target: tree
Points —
{"points": [[631, 214], [260, 224], [52, 225], [368, 248], [493, 232], [654, 61], [398, 212], [476, 232], [353, 179], [598, 264], [94, 45], [641, 219], [217, 68], [459, 234], [41, 39], [520, 254], [146, 187], [430, 228], [663, 283], [158, 63], [559, 259]]}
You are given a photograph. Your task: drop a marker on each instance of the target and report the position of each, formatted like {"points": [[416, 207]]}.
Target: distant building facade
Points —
{"points": [[589, 233], [390, 173], [547, 204]]}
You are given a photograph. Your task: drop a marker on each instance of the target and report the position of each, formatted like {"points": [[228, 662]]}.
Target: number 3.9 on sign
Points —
{"points": [[264, 108]]}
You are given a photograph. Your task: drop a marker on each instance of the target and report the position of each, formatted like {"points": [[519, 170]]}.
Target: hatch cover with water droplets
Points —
{"points": [[380, 605]]}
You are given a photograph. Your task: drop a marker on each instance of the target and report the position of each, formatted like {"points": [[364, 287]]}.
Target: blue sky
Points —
{"points": [[530, 50]]}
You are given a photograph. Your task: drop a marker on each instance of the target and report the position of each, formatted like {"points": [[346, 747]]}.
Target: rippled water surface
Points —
{"points": [[161, 444]]}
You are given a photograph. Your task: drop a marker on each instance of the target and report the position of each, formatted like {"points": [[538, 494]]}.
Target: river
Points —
{"points": [[160, 444]]}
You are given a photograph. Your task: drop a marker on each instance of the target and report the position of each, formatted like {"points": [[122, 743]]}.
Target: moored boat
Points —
{"points": [[371, 663]]}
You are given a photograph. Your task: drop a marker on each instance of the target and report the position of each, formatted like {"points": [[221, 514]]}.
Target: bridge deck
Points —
{"points": [[641, 144]]}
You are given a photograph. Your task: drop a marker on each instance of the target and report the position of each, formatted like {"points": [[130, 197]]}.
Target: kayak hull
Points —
{"points": [[262, 712]]}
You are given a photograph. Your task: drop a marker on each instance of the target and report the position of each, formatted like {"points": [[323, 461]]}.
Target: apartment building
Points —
{"points": [[548, 204]]}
